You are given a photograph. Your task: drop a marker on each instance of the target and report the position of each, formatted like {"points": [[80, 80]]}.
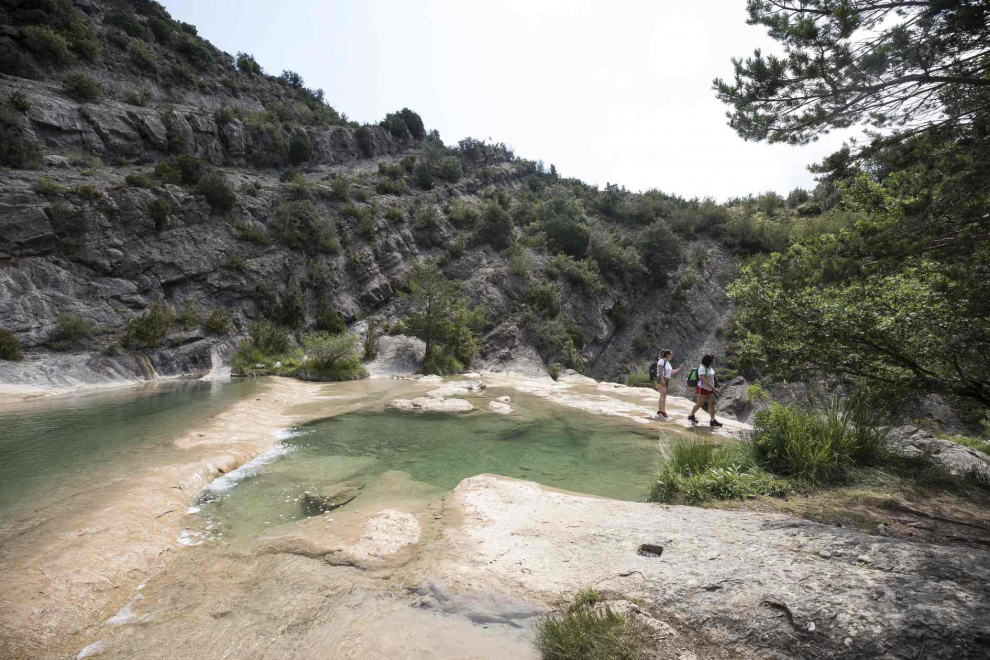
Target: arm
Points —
{"points": [[674, 372]]}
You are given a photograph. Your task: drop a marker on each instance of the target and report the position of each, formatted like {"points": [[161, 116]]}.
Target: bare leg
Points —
{"points": [[663, 398], [711, 405], [698, 403]]}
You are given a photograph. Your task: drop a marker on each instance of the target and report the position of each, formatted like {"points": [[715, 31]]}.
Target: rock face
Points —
{"points": [[331, 497], [792, 588], [912, 441]]}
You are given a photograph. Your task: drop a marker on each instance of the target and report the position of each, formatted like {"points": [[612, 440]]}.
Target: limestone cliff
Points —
{"points": [[79, 234]]}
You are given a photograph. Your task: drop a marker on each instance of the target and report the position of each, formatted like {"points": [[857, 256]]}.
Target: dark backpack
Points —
{"points": [[693, 378], [654, 369]]}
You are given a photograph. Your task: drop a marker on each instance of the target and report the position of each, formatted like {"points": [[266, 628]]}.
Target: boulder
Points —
{"points": [[331, 497], [431, 404], [457, 388], [958, 459], [500, 408]]}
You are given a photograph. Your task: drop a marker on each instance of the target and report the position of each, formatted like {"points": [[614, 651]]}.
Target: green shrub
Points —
{"points": [[820, 446], [248, 232], [408, 163], [292, 308], [195, 51], [639, 379], [583, 272], [329, 319], [450, 169], [46, 186], [150, 329], [395, 215], [390, 186], [300, 148], [10, 348], [189, 317], [236, 262], [161, 29], [247, 64], [82, 88], [218, 192], [495, 228], [159, 210], [83, 40], [87, 192], [180, 75], [138, 181], [414, 123], [463, 216], [298, 225], [395, 125], [140, 98], [47, 45], [68, 331], [554, 370], [364, 142], [185, 169], [426, 226], [19, 100], [218, 322], [423, 176], [372, 338], [545, 298], [143, 56], [340, 188], [123, 20]]}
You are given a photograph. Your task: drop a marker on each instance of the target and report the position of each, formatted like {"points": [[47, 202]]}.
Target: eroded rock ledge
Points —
{"points": [[783, 586]]}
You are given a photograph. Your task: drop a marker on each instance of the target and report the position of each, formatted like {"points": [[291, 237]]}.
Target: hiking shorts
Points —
{"points": [[703, 392]]}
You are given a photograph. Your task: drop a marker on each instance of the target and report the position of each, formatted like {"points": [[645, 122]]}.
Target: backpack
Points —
{"points": [[693, 378], [655, 370]]}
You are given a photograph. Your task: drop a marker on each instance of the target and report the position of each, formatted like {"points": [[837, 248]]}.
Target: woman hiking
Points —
{"points": [[707, 388], [665, 371]]}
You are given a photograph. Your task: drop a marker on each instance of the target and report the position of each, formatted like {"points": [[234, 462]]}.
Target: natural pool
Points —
{"points": [[540, 441], [55, 452]]}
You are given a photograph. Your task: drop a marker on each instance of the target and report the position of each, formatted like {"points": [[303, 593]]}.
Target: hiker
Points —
{"points": [[664, 371], [707, 388]]}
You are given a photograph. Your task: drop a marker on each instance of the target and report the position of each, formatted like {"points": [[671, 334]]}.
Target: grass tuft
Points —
{"points": [[588, 629]]}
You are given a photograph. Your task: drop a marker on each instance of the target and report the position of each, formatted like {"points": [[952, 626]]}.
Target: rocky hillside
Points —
{"points": [[144, 167]]}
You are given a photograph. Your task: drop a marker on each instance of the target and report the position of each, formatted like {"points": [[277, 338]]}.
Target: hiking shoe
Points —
{"points": [[662, 414], [715, 423], [692, 419]]}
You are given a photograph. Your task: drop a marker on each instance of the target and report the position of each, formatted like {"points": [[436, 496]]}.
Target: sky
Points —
{"points": [[617, 91]]}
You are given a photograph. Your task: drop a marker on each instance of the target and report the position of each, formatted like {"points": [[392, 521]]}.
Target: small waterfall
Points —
{"points": [[219, 370]]}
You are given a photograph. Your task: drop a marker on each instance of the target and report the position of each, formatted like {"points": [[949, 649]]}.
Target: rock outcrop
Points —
{"points": [[958, 459], [762, 585]]}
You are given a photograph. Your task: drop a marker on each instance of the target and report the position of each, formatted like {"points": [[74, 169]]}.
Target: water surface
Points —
{"points": [[54, 450]]}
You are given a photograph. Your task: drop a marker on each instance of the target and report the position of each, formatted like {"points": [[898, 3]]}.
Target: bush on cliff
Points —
{"points": [[150, 329], [47, 45], [363, 137], [82, 88], [299, 225], [218, 192], [68, 332], [10, 348]]}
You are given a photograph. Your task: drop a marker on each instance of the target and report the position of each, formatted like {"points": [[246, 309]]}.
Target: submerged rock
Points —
{"points": [[431, 404], [500, 408], [331, 497]]}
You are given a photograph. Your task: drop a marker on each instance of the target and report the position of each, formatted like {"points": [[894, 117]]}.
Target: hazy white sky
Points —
{"points": [[614, 91]]}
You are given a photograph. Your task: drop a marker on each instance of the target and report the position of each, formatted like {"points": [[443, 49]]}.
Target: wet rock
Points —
{"points": [[500, 408], [331, 497], [431, 404], [958, 459], [457, 388]]}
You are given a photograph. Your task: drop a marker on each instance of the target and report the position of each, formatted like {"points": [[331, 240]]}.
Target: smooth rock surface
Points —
{"points": [[331, 497], [958, 459], [793, 588]]}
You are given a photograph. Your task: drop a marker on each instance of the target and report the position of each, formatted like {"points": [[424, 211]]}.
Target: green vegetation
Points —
{"points": [[184, 169], [584, 273], [363, 137], [328, 318], [159, 209], [82, 88], [69, 331], [143, 56], [331, 357], [218, 322], [218, 192], [10, 348], [895, 297], [150, 329], [189, 317], [292, 307], [87, 192], [16, 150], [443, 319], [19, 100], [121, 19], [588, 629], [299, 225], [300, 148], [247, 64], [265, 345], [47, 45], [404, 123], [138, 181], [495, 228], [46, 186], [372, 337]]}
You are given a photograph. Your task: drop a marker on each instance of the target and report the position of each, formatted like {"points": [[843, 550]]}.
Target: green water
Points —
{"points": [[54, 451], [541, 442]]}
